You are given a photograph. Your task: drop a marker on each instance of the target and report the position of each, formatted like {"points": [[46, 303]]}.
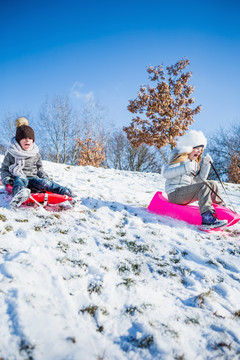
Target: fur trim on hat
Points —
{"points": [[191, 139], [21, 121]]}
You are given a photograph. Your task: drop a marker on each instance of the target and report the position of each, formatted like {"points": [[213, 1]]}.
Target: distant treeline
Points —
{"points": [[161, 113]]}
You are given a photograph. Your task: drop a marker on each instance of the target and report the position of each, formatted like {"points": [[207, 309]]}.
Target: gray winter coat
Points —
{"points": [[177, 176], [33, 167]]}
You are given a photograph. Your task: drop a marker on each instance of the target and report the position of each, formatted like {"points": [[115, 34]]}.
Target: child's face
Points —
{"points": [[26, 143], [195, 153]]}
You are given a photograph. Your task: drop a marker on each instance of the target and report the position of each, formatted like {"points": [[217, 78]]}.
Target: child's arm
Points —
{"points": [[205, 168], [6, 176], [40, 170], [179, 169], [204, 171]]}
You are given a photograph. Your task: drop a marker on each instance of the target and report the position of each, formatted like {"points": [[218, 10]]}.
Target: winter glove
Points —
{"points": [[42, 175], [8, 181], [207, 159], [191, 167]]}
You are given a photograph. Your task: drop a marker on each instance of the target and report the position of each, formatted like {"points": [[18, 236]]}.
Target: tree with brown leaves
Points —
{"points": [[165, 110], [234, 169], [91, 141], [91, 152]]}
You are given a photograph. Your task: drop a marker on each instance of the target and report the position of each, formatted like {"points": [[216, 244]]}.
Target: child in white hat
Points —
{"points": [[186, 179]]}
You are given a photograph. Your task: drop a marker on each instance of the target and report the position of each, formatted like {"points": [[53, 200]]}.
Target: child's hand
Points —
{"points": [[207, 159], [8, 181]]}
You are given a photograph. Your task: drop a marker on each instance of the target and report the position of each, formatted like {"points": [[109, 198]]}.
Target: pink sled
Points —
{"points": [[189, 213]]}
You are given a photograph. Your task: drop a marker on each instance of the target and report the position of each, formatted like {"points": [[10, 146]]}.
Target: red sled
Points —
{"points": [[44, 198], [190, 213]]}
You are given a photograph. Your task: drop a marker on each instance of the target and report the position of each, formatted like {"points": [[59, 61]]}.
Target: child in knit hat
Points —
{"points": [[22, 167], [186, 179]]}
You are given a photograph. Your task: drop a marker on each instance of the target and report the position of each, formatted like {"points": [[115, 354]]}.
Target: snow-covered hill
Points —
{"points": [[108, 280]]}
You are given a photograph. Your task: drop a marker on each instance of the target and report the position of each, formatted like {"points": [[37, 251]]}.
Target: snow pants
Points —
{"points": [[36, 184], [197, 192]]}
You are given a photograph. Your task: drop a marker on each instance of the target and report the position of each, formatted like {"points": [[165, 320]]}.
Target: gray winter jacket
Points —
{"points": [[177, 176], [33, 167]]}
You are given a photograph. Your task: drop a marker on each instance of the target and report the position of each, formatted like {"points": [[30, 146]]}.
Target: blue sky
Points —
{"points": [[101, 49]]}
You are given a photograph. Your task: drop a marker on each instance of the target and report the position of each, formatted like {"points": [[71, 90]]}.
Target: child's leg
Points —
{"points": [[20, 191], [48, 185], [215, 198], [205, 197], [190, 193], [20, 182]]}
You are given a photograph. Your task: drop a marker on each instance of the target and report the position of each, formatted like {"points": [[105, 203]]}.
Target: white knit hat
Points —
{"points": [[190, 140]]}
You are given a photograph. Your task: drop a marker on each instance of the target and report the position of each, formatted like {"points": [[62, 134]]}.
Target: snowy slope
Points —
{"points": [[108, 280]]}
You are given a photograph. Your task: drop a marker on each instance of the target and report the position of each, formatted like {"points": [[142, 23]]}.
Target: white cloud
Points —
{"points": [[76, 92]]}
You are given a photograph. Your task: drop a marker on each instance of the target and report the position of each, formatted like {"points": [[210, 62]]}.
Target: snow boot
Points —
{"points": [[210, 220], [20, 197], [67, 191]]}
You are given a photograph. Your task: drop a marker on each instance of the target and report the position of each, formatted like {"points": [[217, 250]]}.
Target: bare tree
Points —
{"points": [[165, 110], [116, 150], [8, 127], [93, 135], [224, 147], [59, 130], [120, 154], [93, 120]]}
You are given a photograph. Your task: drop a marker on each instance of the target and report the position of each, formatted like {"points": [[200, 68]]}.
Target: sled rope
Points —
{"points": [[45, 199], [222, 185], [32, 198], [214, 192]]}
